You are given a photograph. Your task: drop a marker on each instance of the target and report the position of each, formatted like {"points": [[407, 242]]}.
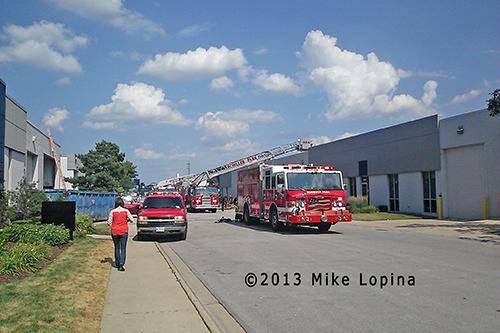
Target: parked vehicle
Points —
{"points": [[162, 215], [288, 195], [131, 204]]}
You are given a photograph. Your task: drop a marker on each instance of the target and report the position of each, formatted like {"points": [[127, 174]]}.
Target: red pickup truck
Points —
{"points": [[162, 215]]}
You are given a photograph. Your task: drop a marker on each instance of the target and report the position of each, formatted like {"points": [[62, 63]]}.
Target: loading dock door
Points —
{"points": [[466, 182]]}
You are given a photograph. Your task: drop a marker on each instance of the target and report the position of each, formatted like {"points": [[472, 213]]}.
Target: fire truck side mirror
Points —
{"points": [[191, 191], [280, 187]]}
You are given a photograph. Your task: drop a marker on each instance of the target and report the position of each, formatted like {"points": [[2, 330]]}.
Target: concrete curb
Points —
{"points": [[213, 313]]}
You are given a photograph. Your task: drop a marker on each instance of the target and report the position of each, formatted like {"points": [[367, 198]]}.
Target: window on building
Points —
{"points": [[365, 187], [430, 198], [394, 192], [352, 187]]}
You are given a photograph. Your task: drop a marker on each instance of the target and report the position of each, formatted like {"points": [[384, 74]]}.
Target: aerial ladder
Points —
{"points": [[203, 177]]}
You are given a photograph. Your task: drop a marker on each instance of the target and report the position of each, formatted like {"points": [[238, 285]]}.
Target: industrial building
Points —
{"points": [[447, 168], [26, 149]]}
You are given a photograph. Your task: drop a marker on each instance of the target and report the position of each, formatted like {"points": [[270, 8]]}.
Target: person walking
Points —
{"points": [[118, 219]]}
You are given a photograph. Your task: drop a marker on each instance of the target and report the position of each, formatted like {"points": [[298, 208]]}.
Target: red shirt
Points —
{"points": [[118, 220]]}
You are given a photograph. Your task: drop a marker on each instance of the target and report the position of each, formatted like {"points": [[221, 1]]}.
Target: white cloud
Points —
{"points": [[63, 81], [222, 82], [194, 30], [275, 82], [113, 13], [220, 127], [194, 65], [102, 125], [260, 51], [177, 156], [466, 97], [358, 86], [135, 104], [55, 117], [147, 154], [44, 45]]}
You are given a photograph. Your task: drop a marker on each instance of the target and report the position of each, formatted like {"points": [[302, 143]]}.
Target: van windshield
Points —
{"points": [[314, 181], [165, 202]]}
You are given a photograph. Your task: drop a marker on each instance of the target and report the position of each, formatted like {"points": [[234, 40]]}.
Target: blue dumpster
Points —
{"points": [[97, 205]]}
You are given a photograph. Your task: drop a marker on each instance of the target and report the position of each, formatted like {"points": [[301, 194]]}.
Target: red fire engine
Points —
{"points": [[288, 195], [199, 198]]}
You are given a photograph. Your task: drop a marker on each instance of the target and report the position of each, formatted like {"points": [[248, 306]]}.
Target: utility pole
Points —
{"points": [[189, 168]]}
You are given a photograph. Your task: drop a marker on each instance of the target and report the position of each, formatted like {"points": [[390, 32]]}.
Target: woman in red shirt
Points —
{"points": [[118, 220]]}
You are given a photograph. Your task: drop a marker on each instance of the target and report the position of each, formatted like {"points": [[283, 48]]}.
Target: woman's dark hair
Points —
{"points": [[118, 202]]}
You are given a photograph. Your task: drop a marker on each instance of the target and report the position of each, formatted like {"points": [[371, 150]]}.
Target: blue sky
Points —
{"points": [[212, 81]]}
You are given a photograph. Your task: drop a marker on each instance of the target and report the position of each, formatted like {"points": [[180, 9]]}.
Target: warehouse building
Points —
{"points": [[447, 168], [27, 150], [438, 167]]}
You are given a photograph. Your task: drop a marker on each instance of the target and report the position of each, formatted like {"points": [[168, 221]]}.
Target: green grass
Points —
{"points": [[383, 217], [66, 296]]}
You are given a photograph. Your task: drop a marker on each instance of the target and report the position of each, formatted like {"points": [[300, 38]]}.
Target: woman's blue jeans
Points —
{"points": [[120, 248]]}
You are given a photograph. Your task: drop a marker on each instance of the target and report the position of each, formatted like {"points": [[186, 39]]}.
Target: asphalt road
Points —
{"points": [[351, 279]]}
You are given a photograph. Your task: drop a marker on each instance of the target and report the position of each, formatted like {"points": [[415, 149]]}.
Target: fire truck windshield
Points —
{"points": [[314, 181], [211, 190]]}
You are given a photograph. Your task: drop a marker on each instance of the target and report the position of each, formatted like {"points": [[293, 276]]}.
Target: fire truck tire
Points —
{"points": [[247, 219], [214, 210], [275, 223], [324, 227]]}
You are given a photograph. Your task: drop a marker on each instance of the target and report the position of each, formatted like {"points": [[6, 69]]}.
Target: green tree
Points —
{"points": [[104, 170], [494, 103]]}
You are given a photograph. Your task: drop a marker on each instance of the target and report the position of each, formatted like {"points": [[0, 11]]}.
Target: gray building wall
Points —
{"points": [[408, 147], [26, 149]]}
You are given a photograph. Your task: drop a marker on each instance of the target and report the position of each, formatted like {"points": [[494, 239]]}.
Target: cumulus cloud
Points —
{"points": [[357, 86], [220, 127], [44, 45], [460, 99], [147, 154], [132, 105], [275, 82], [260, 51], [113, 13], [55, 117], [222, 82], [194, 65]]}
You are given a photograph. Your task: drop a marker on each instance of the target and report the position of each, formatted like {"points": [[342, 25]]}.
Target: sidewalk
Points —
{"points": [[152, 295]]}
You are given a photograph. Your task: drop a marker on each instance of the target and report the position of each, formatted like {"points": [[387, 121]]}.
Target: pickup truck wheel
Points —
{"points": [[275, 223], [183, 236]]}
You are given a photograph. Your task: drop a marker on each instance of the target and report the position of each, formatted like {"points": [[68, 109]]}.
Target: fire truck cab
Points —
{"points": [[201, 198], [288, 195]]}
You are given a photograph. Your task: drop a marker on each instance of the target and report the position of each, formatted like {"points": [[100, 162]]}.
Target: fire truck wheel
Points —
{"points": [[246, 215], [324, 227], [275, 223]]}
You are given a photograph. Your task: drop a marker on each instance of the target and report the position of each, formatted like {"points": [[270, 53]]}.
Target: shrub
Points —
{"points": [[360, 205], [27, 199], [83, 226], [36, 233], [383, 208], [23, 257]]}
